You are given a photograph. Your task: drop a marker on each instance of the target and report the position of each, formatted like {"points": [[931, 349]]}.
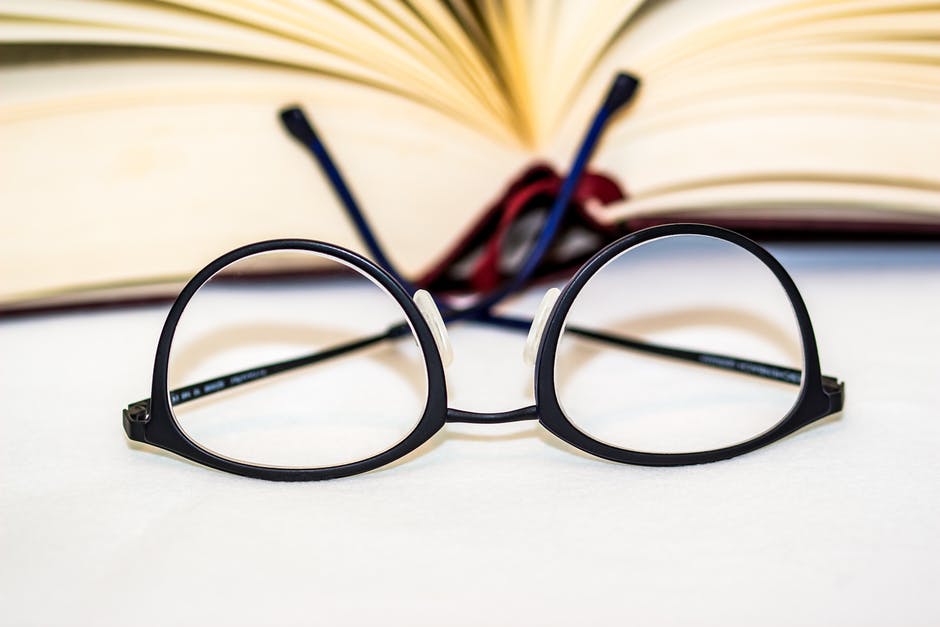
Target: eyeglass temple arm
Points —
{"points": [[296, 122], [235, 379], [714, 360], [755, 368], [620, 93]]}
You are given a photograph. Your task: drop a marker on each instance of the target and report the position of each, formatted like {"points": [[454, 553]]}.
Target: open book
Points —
{"points": [[141, 138]]}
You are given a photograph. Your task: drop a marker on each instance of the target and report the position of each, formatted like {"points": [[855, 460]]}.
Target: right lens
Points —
{"points": [[621, 375], [275, 307]]}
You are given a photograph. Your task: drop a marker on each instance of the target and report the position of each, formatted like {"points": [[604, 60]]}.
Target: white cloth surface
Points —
{"points": [[486, 524]]}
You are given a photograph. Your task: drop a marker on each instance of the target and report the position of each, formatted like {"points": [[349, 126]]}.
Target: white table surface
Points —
{"points": [[486, 524]]}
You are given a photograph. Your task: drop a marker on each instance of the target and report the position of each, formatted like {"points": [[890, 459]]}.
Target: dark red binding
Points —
{"points": [[482, 247]]}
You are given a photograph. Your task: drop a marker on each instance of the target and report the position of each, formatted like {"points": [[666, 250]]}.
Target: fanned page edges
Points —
{"points": [[468, 60], [515, 70], [165, 129], [799, 106]]}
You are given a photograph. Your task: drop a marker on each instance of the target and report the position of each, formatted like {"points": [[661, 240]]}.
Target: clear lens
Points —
{"points": [[342, 409], [691, 292]]}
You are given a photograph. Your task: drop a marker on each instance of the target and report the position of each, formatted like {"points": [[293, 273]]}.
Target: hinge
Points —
{"points": [[138, 412], [135, 417]]}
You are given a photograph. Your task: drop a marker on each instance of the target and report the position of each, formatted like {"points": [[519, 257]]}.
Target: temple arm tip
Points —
{"points": [[835, 391], [621, 91], [135, 417], [297, 124]]}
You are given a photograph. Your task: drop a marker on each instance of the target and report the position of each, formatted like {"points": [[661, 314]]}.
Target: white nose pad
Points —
{"points": [[538, 326], [432, 316]]}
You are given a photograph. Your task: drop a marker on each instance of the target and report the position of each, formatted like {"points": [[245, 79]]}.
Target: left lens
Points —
{"points": [[681, 344], [231, 394]]}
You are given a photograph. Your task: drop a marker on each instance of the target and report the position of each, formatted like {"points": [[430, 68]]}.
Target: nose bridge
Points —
{"points": [[473, 417]]}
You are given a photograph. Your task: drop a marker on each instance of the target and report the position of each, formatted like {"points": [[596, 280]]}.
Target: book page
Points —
{"points": [[809, 98], [147, 169]]}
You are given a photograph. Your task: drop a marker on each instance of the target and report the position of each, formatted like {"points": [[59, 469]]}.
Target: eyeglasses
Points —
{"points": [[678, 344]]}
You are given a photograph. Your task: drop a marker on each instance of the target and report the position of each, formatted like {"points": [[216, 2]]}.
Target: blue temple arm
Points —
{"points": [[302, 130], [620, 93]]}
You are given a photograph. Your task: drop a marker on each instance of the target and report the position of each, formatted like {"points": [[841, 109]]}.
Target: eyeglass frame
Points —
{"points": [[153, 422]]}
